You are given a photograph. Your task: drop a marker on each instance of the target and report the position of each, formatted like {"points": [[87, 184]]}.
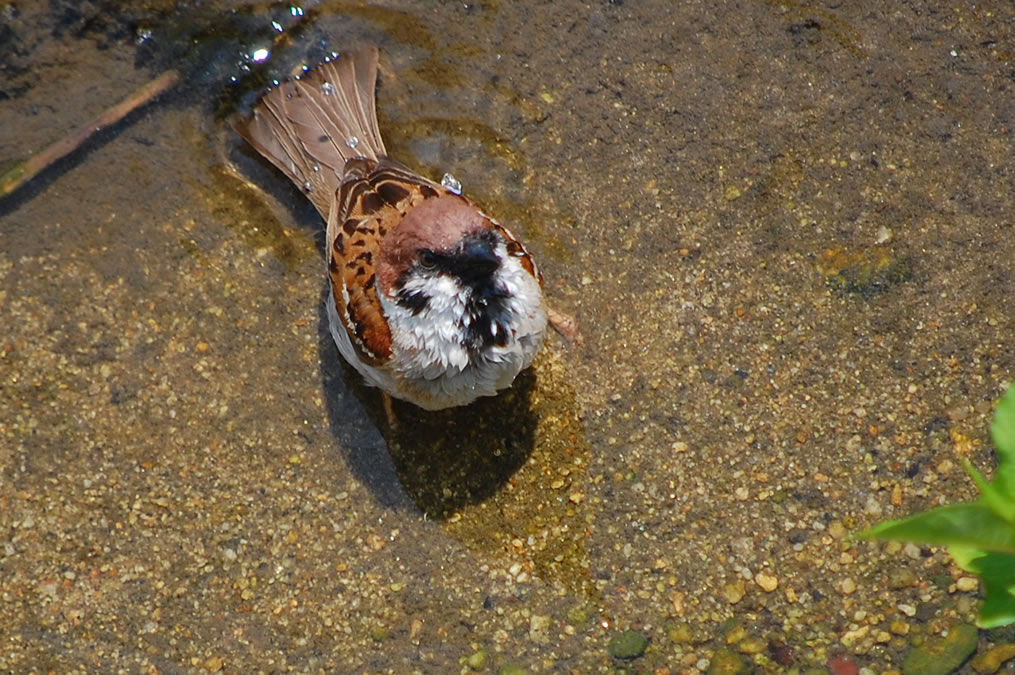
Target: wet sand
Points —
{"points": [[786, 232]]}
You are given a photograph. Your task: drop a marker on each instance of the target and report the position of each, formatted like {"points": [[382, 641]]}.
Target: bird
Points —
{"points": [[431, 299]]}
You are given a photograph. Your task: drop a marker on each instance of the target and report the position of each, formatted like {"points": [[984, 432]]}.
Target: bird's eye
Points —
{"points": [[427, 259]]}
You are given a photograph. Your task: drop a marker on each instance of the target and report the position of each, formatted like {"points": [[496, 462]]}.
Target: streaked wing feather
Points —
{"points": [[366, 211]]}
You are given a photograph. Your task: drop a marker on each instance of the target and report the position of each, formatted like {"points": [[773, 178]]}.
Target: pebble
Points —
{"points": [[476, 660], [734, 592], [967, 584], [767, 582], [752, 645], [736, 634], [627, 645], [681, 634], [511, 669], [901, 578], [852, 637], [847, 586], [991, 660], [539, 628], [942, 655], [899, 627], [725, 661]]}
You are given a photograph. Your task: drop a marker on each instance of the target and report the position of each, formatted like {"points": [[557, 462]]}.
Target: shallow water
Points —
{"points": [[784, 228]]}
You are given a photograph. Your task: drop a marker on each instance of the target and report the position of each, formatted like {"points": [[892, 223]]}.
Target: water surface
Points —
{"points": [[785, 229]]}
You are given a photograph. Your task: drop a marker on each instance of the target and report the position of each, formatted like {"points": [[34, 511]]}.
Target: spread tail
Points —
{"points": [[310, 127]]}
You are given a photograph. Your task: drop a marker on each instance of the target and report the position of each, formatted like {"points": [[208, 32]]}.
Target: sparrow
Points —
{"points": [[432, 300]]}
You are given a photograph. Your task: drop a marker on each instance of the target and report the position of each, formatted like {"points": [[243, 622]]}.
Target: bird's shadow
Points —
{"points": [[440, 460]]}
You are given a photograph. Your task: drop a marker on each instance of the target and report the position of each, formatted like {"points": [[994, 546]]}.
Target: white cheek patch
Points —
{"points": [[429, 349]]}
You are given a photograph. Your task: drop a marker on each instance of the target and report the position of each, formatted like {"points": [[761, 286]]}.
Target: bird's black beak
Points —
{"points": [[477, 259]]}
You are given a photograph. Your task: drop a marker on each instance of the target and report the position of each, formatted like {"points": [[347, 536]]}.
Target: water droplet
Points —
{"points": [[305, 67], [277, 26], [308, 187], [334, 55], [352, 142], [328, 89], [259, 55], [296, 10], [143, 35], [451, 184], [275, 82], [316, 168]]}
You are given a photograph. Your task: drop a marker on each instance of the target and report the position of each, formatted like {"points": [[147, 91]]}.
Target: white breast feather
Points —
{"points": [[430, 364]]}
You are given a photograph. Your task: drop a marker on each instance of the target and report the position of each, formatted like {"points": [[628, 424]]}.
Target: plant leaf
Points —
{"points": [[997, 570], [974, 525], [1003, 428], [993, 495], [1002, 497]]}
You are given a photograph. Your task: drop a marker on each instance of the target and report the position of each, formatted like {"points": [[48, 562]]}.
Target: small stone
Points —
{"points": [[627, 645], [908, 610], [899, 627], [576, 497], [734, 592], [725, 661], [476, 660], [842, 665], [767, 582], [214, 664], [847, 586], [991, 660], [851, 637], [941, 656], [415, 629], [681, 634], [901, 578], [732, 193], [967, 584], [752, 645], [896, 497], [539, 629], [511, 669], [736, 634]]}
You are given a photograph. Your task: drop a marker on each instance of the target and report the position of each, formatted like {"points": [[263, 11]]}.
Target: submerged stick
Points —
{"points": [[26, 170]]}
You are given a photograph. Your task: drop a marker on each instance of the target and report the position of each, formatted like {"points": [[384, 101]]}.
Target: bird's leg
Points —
{"points": [[389, 411], [565, 325]]}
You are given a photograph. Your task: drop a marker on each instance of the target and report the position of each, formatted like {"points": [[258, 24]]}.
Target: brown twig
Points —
{"points": [[26, 170]]}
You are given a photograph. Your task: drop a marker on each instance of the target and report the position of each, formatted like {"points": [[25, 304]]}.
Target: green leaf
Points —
{"points": [[997, 570], [973, 525], [1003, 428], [993, 494], [1002, 497]]}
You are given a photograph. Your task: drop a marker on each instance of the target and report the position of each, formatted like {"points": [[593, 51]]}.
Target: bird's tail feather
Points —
{"points": [[310, 127]]}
